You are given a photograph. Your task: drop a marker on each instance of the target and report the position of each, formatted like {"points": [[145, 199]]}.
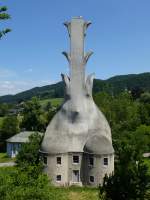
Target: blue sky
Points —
{"points": [[31, 54]]}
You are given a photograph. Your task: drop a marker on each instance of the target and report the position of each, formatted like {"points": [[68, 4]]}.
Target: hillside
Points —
{"points": [[112, 85]]}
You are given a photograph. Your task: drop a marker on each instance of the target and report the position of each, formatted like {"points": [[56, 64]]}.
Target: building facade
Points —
{"points": [[77, 146]]}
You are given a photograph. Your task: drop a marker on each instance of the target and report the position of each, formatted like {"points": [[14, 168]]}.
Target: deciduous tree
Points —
{"points": [[32, 116], [130, 180]]}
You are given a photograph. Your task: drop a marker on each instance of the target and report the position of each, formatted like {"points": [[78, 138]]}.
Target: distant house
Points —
{"points": [[15, 142]]}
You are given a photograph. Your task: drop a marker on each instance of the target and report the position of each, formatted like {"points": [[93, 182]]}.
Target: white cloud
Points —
{"points": [[10, 83], [14, 87]]}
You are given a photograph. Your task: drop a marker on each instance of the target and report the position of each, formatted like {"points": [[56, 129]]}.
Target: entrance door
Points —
{"points": [[75, 176]]}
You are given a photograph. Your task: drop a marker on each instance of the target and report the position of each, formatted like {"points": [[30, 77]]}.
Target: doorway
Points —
{"points": [[75, 176]]}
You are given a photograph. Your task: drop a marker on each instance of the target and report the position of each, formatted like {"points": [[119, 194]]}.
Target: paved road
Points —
{"points": [[8, 164]]}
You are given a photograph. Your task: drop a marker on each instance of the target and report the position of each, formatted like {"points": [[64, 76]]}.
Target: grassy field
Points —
{"points": [[4, 158], [78, 193], [66, 193], [54, 102]]}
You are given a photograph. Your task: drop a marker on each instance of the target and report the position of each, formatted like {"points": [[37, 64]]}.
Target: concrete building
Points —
{"points": [[77, 146]]}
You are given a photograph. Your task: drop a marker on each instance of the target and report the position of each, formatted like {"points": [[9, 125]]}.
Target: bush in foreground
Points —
{"points": [[131, 180], [18, 185]]}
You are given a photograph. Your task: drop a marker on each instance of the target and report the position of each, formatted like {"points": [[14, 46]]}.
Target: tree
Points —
{"points": [[4, 16], [144, 108], [9, 127], [4, 109], [130, 180], [29, 153], [145, 97], [141, 138], [48, 106], [121, 111], [32, 116]]}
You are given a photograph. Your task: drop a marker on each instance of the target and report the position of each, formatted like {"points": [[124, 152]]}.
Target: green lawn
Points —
{"points": [[4, 158], [78, 193], [54, 102]]}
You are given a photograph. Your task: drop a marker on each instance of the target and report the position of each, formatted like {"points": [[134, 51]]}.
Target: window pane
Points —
{"points": [[92, 179], [58, 177], [59, 160], [105, 161], [45, 160], [91, 161], [75, 159]]}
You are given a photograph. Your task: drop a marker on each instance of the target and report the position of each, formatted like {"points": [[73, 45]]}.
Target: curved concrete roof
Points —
{"points": [[64, 135], [98, 145]]}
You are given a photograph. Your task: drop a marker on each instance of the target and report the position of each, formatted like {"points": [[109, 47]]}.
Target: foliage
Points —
{"points": [[144, 108], [145, 98], [131, 180], [22, 185], [29, 153], [18, 185], [1, 121], [121, 111], [147, 162], [4, 16], [4, 158], [129, 119], [4, 109], [141, 138], [50, 103], [32, 116], [9, 127]]}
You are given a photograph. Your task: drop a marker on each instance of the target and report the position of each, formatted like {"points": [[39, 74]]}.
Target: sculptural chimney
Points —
{"points": [[76, 57]]}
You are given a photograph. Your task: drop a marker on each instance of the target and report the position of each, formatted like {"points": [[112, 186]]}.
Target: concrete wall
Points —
{"points": [[53, 169], [97, 170]]}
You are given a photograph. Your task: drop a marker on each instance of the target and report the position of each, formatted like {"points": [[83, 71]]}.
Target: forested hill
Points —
{"points": [[112, 85]]}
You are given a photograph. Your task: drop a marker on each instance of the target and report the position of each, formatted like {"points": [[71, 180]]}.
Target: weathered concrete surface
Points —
{"points": [[79, 118], [79, 125]]}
